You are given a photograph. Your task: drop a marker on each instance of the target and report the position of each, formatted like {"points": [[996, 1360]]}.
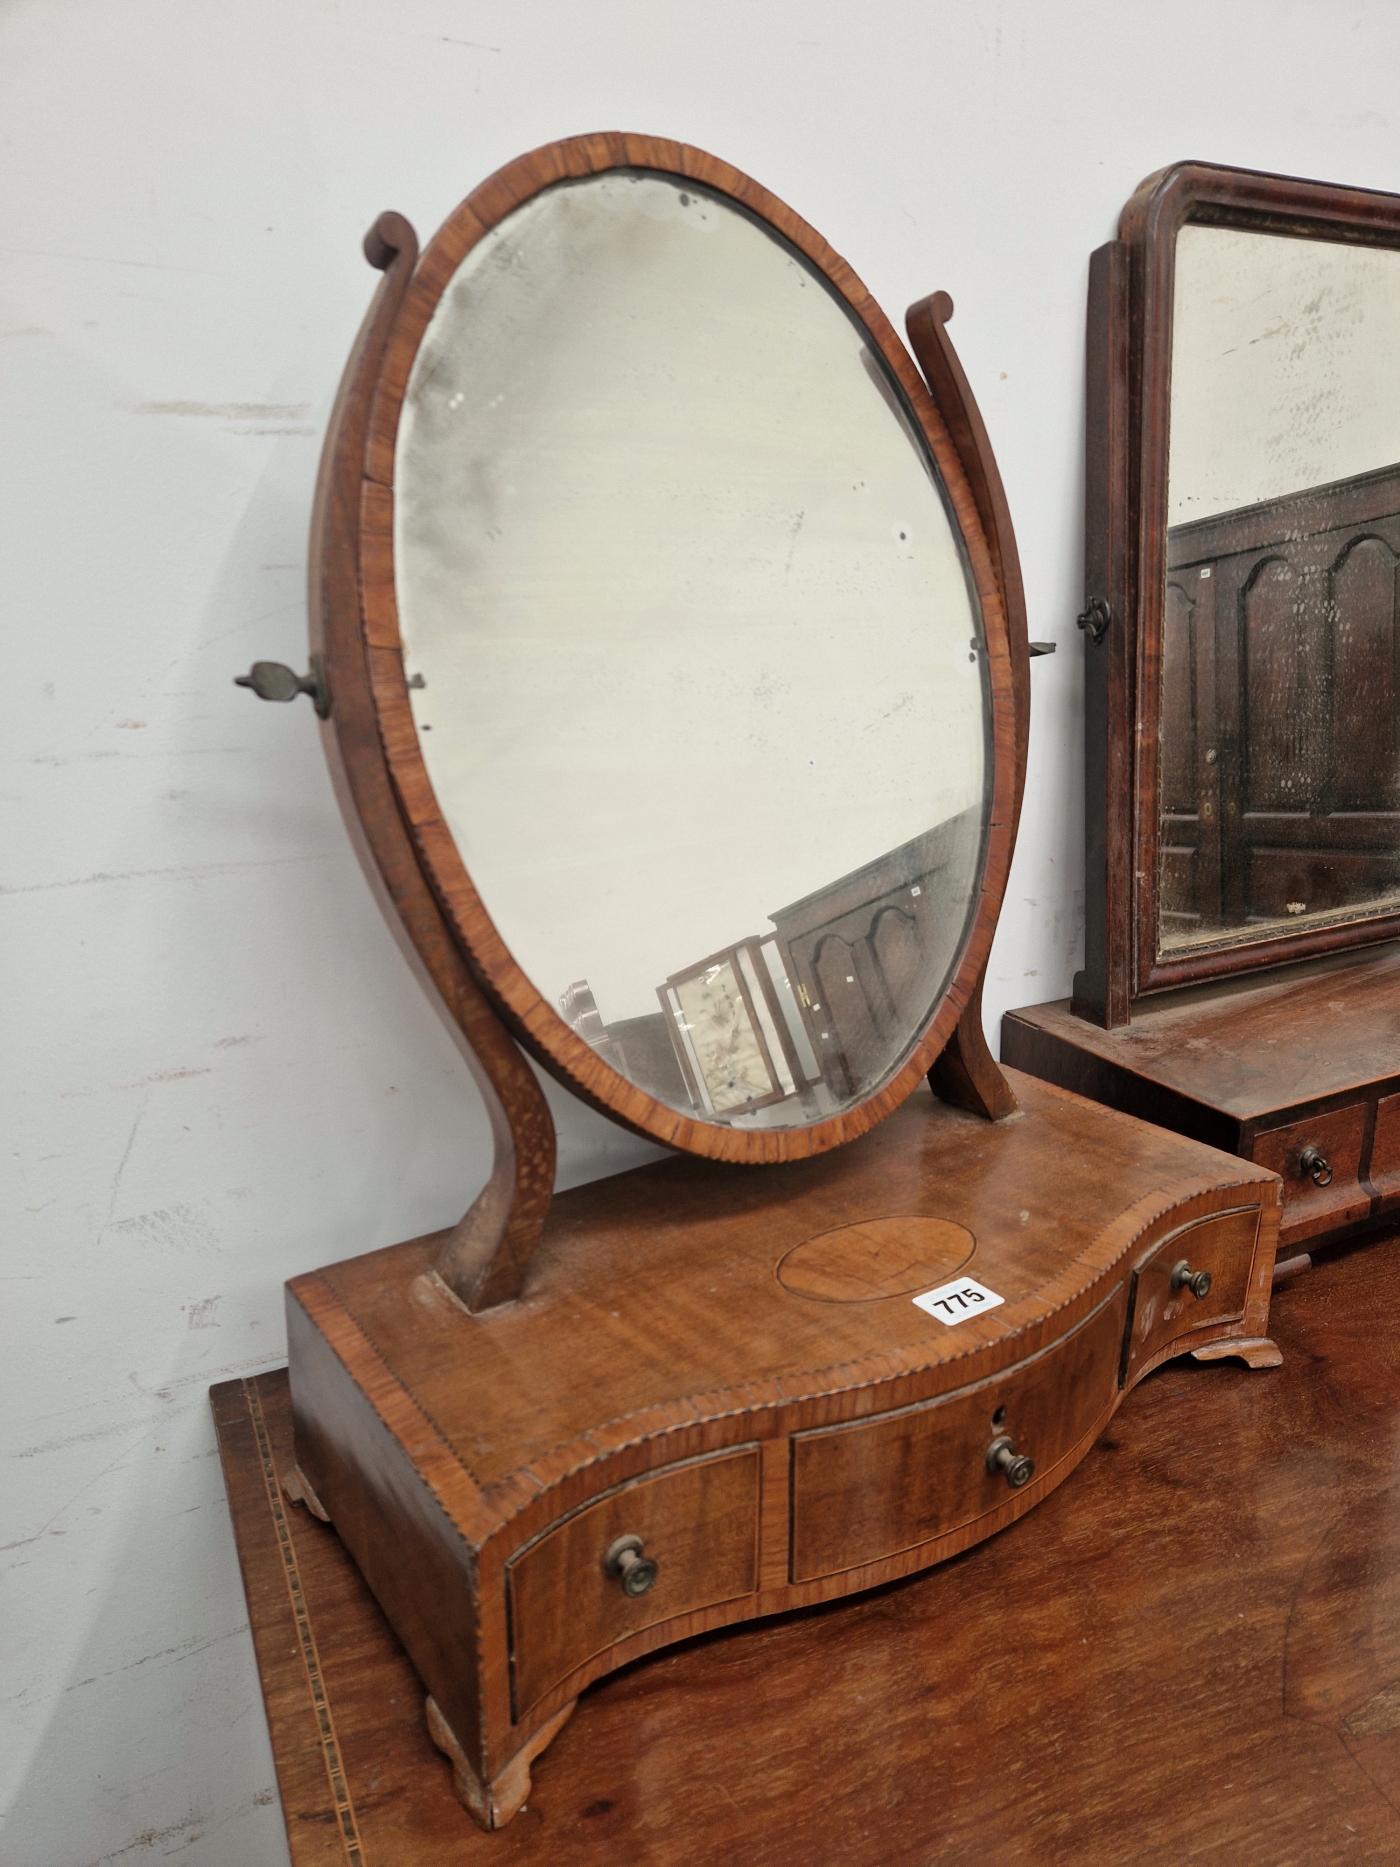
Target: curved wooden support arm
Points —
{"points": [[485, 1258], [967, 1074]]}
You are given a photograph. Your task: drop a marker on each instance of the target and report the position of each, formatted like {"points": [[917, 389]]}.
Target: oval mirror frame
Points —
{"points": [[354, 521]]}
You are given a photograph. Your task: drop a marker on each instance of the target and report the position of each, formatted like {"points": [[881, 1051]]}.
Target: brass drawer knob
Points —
{"points": [[625, 1560], [1313, 1162], [1184, 1278], [1003, 1457]]}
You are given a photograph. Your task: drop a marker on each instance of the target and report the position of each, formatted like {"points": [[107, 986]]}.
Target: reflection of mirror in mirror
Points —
{"points": [[696, 664], [1280, 761]]}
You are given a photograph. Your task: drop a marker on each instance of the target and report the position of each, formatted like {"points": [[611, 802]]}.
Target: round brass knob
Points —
{"points": [[1313, 1162], [1003, 1457], [625, 1560], [1184, 1278]]}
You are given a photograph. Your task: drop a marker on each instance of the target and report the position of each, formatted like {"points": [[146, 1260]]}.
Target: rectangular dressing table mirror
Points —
{"points": [[1242, 787], [669, 643]]}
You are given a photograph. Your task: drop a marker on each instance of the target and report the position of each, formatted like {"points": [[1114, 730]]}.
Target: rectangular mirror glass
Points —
{"points": [[1279, 754]]}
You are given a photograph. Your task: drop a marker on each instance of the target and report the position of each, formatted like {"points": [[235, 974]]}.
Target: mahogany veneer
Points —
{"points": [[1207, 1613], [567, 1433], [771, 1448], [1265, 1068]]}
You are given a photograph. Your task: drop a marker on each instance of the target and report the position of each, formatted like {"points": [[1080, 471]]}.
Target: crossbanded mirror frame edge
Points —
{"points": [[372, 745], [1128, 414]]}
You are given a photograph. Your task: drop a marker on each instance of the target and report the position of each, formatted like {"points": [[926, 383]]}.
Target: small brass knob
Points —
{"points": [[625, 1560], [1313, 1162], [1003, 1457], [1184, 1278]]}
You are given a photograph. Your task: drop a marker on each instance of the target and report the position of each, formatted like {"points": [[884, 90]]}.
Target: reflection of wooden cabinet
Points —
{"points": [[868, 954], [1280, 741]]}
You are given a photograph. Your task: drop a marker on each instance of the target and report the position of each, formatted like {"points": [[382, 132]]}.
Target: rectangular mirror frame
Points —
{"points": [[1128, 412]]}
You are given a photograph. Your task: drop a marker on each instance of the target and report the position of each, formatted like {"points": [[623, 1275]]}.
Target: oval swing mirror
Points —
{"points": [[686, 650]]}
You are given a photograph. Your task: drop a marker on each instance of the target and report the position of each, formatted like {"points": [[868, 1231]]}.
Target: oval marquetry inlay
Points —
{"points": [[876, 1258]]}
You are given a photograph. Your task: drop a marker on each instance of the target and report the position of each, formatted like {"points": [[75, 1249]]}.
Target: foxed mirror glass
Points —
{"points": [[696, 660], [1279, 763]]}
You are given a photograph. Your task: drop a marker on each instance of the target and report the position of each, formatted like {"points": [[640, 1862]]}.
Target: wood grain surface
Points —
{"points": [[1102, 989], [1244, 1048], [965, 1073], [654, 1301], [655, 1329], [1264, 1067], [1191, 1653]]}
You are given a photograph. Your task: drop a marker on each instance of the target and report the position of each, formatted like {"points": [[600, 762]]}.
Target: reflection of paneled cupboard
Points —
{"points": [[1280, 751], [867, 953]]}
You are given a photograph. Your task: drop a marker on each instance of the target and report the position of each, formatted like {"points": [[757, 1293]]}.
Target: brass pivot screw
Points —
{"points": [[273, 680], [1184, 1278], [1003, 1457], [625, 1560], [1313, 1163], [1095, 619]]}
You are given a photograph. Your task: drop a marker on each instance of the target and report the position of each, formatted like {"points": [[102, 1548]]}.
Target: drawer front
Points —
{"points": [[1385, 1150], [1309, 1207], [1224, 1247], [698, 1522], [875, 1487]]}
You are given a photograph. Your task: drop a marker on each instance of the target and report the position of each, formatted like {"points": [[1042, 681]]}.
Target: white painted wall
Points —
{"points": [[219, 1070]]}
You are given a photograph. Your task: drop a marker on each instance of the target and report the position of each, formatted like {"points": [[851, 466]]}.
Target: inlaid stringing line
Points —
{"points": [[306, 1640]]}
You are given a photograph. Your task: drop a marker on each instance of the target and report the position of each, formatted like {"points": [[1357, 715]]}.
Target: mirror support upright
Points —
{"points": [[967, 1074], [1102, 990], [485, 1257]]}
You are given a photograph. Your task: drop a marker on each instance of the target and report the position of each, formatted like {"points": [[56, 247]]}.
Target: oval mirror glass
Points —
{"points": [[695, 659]]}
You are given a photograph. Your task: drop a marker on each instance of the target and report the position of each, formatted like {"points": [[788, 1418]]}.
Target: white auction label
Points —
{"points": [[955, 1302]]}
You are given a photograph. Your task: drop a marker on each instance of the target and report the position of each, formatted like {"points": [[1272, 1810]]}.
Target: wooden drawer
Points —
{"points": [[1307, 1207], [1223, 1246], [697, 1521], [874, 1487], [1385, 1151]]}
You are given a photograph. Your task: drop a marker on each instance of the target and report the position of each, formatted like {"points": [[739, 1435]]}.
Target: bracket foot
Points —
{"points": [[494, 1803], [298, 1489], [1257, 1350]]}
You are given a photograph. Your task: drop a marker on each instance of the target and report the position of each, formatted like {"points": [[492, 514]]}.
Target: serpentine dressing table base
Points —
{"points": [[728, 1367], [851, 1327]]}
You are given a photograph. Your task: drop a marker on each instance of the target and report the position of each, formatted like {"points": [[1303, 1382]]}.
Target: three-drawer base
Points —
{"points": [[665, 1436]]}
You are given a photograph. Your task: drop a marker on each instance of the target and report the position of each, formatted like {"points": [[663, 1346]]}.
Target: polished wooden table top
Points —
{"points": [[1191, 1650]]}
